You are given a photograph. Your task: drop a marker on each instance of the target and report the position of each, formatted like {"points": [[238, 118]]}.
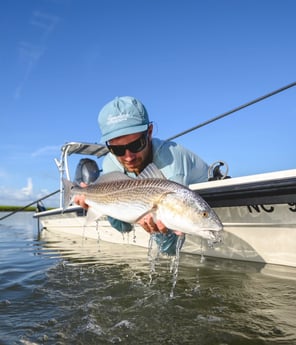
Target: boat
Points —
{"points": [[258, 213]]}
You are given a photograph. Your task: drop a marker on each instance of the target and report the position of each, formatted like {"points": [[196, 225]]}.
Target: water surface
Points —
{"points": [[62, 290]]}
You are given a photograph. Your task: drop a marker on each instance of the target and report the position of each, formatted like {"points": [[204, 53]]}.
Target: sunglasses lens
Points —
{"points": [[117, 150], [137, 145], [134, 147]]}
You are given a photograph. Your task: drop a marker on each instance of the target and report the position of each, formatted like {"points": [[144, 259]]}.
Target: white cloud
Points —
{"points": [[31, 53], [25, 195], [45, 22], [46, 150], [28, 190], [17, 195]]}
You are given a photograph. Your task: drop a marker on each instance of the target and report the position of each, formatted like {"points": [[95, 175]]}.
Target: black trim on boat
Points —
{"points": [[282, 191]]}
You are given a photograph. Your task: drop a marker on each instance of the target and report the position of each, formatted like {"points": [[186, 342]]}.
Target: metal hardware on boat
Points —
{"points": [[215, 173]]}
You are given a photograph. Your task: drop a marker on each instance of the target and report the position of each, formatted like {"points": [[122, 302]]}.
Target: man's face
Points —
{"points": [[124, 148]]}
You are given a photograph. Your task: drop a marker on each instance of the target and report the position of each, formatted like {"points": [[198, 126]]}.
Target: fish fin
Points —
{"points": [[68, 185], [153, 211], [92, 215], [142, 215], [151, 171], [112, 176]]}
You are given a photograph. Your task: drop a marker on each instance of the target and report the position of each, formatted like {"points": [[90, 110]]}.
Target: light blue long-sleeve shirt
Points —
{"points": [[173, 160], [177, 164]]}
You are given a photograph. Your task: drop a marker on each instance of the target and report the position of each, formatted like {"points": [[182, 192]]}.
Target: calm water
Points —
{"points": [[51, 295]]}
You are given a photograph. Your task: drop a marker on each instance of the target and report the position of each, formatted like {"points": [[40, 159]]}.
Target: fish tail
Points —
{"points": [[68, 185]]}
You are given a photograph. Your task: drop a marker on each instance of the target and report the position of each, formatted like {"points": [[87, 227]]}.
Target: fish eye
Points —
{"points": [[205, 214]]}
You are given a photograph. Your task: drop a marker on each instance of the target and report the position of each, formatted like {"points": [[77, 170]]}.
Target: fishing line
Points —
{"points": [[256, 100], [31, 203]]}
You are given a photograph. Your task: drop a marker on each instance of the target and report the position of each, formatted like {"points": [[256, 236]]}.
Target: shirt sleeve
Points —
{"points": [[120, 225], [178, 163]]}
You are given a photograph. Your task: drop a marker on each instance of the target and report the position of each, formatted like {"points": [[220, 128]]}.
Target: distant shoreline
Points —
{"points": [[5, 208]]}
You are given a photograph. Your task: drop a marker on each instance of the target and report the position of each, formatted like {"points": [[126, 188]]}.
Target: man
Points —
{"points": [[127, 132]]}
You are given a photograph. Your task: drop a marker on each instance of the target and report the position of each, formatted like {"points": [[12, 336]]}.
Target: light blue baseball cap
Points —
{"points": [[122, 116]]}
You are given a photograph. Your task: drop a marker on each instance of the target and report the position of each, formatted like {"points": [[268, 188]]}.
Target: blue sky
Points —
{"points": [[187, 61]]}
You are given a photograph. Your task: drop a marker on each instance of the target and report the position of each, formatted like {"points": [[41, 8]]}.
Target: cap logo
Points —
{"points": [[113, 119]]}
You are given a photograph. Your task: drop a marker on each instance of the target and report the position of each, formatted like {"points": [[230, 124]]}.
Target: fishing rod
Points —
{"points": [[32, 203], [256, 100]]}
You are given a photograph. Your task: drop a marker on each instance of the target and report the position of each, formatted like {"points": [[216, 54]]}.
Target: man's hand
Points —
{"points": [[148, 224], [80, 200]]}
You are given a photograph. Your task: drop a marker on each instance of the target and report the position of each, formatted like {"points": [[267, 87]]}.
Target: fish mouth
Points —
{"points": [[215, 237], [214, 228], [218, 226]]}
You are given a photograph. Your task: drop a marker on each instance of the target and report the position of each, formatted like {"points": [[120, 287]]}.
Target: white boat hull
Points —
{"points": [[256, 233]]}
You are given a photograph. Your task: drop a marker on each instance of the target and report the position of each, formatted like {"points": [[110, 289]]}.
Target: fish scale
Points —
{"points": [[141, 190]]}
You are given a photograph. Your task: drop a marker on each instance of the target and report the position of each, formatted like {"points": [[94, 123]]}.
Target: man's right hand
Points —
{"points": [[80, 200], [150, 226]]}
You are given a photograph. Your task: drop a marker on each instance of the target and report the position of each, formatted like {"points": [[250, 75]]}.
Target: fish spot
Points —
{"points": [[205, 214]]}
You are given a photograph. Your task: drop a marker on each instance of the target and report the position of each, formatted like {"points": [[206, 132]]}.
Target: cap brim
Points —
{"points": [[123, 131]]}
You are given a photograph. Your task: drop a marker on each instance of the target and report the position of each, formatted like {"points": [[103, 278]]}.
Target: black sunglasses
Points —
{"points": [[134, 147]]}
